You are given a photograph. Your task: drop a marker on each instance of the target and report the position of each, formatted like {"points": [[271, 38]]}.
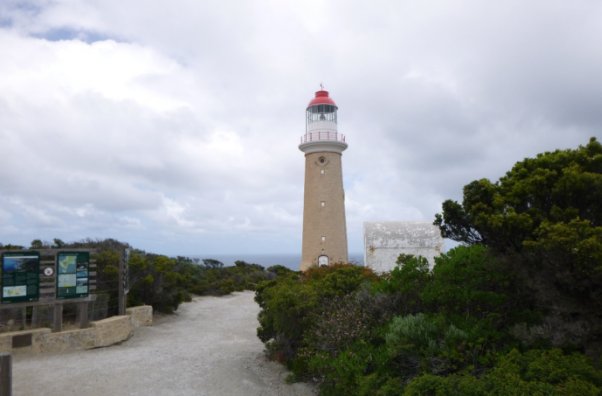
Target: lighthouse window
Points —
{"points": [[313, 116], [322, 160], [323, 238], [322, 171], [322, 203]]}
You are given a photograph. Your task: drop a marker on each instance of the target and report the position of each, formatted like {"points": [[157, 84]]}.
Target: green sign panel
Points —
{"points": [[72, 274], [20, 276]]}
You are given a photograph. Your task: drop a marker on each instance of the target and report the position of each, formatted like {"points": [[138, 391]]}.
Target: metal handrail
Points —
{"points": [[320, 136]]}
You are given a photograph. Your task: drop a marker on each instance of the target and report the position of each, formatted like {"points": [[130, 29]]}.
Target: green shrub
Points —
{"points": [[293, 304], [344, 319], [349, 372], [429, 384], [535, 372], [418, 343], [406, 282], [468, 281], [165, 282], [154, 281]]}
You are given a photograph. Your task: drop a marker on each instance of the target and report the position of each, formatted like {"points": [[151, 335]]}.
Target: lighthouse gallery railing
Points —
{"points": [[322, 136]]}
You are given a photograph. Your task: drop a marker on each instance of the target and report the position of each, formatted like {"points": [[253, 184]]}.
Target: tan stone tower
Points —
{"points": [[324, 228]]}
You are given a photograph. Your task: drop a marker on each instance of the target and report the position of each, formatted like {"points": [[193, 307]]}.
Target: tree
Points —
{"points": [[58, 243], [39, 244], [10, 246], [212, 263], [546, 215], [553, 188]]}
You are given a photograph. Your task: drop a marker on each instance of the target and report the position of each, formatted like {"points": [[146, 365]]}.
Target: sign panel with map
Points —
{"points": [[20, 276], [72, 274]]}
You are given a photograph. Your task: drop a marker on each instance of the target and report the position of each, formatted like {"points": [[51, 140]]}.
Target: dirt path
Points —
{"points": [[208, 348]]}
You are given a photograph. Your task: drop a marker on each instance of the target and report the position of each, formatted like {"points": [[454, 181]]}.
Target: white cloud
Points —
{"points": [[174, 125]]}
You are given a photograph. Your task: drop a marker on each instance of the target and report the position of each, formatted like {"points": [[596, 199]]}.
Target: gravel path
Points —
{"points": [[208, 348]]}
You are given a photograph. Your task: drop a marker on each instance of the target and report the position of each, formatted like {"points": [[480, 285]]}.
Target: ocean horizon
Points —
{"points": [[291, 261]]}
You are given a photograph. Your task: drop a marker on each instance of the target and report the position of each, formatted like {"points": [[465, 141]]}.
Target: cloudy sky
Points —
{"points": [[174, 125]]}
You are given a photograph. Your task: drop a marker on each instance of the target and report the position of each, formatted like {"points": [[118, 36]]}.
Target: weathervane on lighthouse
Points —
{"points": [[324, 225]]}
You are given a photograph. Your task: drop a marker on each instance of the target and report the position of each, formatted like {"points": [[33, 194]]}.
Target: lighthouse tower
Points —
{"points": [[324, 228]]}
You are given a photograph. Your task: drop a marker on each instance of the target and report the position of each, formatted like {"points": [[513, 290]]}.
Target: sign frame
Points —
{"points": [[21, 270], [72, 274]]}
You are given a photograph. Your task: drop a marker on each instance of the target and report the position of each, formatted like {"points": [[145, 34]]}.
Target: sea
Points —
{"points": [[291, 261]]}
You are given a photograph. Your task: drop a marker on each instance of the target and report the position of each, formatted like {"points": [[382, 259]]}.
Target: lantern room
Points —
{"points": [[321, 132], [321, 113]]}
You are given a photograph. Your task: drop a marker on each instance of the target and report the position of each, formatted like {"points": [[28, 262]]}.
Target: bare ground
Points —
{"points": [[209, 347]]}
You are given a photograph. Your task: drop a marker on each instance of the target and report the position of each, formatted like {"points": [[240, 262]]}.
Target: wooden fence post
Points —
{"points": [[35, 316], [5, 374], [57, 323], [121, 294], [123, 280], [82, 312], [23, 318]]}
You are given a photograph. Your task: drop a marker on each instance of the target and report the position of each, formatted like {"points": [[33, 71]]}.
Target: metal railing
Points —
{"points": [[320, 136]]}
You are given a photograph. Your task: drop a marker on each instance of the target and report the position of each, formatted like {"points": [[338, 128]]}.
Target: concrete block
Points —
{"points": [[101, 333], [112, 330], [140, 316], [66, 341], [5, 343], [6, 340]]}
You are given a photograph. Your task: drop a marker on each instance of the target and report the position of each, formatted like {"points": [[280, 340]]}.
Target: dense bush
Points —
{"points": [[215, 279], [155, 280], [536, 372], [165, 282], [294, 304], [345, 328], [406, 283]]}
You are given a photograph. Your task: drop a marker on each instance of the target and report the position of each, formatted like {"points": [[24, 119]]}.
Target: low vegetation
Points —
{"points": [[165, 282], [514, 310]]}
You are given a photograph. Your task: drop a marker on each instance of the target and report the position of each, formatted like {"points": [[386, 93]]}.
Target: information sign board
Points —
{"points": [[20, 276], [72, 275]]}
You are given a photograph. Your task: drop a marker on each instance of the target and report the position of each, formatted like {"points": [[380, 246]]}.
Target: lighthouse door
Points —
{"points": [[322, 260]]}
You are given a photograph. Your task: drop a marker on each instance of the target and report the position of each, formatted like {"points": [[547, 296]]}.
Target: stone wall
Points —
{"points": [[101, 333]]}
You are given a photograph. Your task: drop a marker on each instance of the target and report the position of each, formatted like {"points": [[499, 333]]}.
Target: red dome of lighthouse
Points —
{"points": [[322, 98]]}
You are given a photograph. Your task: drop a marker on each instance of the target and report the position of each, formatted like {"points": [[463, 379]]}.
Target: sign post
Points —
{"points": [[6, 374]]}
